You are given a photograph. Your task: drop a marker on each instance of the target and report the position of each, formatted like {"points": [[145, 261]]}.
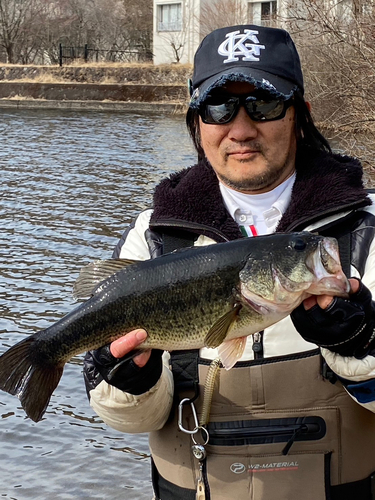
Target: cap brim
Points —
{"points": [[273, 84]]}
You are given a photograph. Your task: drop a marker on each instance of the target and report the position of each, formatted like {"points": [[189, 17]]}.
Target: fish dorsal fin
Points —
{"points": [[219, 330], [231, 351], [95, 273]]}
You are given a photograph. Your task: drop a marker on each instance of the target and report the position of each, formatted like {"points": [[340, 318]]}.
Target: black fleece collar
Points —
{"points": [[325, 184]]}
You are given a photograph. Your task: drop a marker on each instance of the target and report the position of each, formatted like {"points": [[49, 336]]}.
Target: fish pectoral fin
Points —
{"points": [[219, 330], [95, 273], [231, 351]]}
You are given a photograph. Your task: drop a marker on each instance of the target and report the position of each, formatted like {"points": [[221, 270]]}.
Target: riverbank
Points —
{"points": [[131, 87], [153, 107]]}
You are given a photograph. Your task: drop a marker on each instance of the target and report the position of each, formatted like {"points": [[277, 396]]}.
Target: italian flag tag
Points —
{"points": [[248, 230]]}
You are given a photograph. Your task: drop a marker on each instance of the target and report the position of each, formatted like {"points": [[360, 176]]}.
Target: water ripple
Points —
{"points": [[71, 183]]}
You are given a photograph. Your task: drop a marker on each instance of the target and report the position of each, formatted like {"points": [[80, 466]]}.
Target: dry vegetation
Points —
{"points": [[99, 73], [336, 43]]}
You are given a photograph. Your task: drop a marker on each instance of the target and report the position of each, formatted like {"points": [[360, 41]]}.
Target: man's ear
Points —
{"points": [[308, 104]]}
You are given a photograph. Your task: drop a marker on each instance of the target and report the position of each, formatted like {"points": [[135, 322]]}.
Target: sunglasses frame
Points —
{"points": [[245, 101]]}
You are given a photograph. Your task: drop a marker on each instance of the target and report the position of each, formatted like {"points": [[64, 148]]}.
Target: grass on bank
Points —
{"points": [[99, 73]]}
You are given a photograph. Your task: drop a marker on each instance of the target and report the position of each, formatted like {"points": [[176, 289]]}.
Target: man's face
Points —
{"points": [[250, 156]]}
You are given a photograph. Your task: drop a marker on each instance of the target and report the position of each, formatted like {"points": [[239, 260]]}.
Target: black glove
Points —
{"points": [[125, 374], [346, 326]]}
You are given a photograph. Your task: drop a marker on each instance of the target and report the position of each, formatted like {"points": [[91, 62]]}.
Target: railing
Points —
{"points": [[113, 55]]}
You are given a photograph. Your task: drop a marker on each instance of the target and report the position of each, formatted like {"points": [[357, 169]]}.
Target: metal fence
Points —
{"points": [[97, 55]]}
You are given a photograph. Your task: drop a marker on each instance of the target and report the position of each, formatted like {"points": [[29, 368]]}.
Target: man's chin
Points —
{"points": [[247, 187], [256, 184]]}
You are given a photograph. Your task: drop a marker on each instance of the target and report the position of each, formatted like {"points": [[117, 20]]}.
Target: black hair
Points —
{"points": [[192, 123], [306, 132]]}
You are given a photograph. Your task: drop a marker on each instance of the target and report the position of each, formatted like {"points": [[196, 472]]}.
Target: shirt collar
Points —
{"points": [[278, 198]]}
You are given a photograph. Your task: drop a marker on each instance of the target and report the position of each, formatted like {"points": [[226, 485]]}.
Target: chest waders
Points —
{"points": [[279, 428]]}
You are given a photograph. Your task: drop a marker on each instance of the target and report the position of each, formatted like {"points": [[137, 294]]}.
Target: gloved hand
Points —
{"points": [[345, 326], [136, 375]]}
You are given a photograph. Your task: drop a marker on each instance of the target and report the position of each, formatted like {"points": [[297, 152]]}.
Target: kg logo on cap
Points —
{"points": [[245, 45]]}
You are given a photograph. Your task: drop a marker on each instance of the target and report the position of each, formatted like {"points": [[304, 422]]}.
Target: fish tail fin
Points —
{"points": [[33, 383]]}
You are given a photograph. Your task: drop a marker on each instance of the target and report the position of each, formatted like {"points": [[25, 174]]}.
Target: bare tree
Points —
{"points": [[31, 30], [336, 43], [221, 13], [15, 16]]}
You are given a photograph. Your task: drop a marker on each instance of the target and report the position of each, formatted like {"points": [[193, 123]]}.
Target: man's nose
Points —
{"points": [[242, 127]]}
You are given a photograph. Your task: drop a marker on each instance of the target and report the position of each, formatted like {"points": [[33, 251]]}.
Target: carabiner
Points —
{"points": [[195, 417]]}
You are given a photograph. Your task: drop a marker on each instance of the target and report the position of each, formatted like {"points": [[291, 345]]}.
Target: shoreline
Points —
{"points": [[93, 105], [122, 88]]}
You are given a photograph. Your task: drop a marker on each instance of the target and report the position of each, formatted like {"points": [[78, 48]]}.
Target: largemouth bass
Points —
{"points": [[209, 296]]}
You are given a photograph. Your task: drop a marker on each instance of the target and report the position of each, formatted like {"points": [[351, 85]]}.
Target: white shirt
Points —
{"points": [[258, 214]]}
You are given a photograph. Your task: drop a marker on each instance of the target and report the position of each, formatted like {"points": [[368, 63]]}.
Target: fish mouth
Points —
{"points": [[325, 265], [326, 278], [257, 303]]}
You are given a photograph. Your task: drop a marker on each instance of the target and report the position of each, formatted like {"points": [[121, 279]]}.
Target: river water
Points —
{"points": [[70, 184]]}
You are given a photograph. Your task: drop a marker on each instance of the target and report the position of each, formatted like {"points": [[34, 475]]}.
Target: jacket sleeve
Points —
{"points": [[133, 414], [358, 375], [133, 244], [123, 411]]}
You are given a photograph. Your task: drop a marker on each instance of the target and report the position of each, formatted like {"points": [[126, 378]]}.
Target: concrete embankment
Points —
{"points": [[119, 88]]}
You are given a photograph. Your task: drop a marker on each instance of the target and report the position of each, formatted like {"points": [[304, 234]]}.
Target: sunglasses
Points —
{"points": [[220, 110]]}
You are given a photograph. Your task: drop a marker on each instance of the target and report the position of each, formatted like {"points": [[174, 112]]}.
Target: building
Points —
{"points": [[179, 26]]}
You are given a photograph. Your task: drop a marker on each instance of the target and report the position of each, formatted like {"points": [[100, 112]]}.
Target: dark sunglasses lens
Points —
{"points": [[266, 110], [219, 113], [215, 111]]}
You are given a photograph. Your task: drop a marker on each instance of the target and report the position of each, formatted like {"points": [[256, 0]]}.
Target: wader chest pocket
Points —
{"points": [[273, 430], [257, 459]]}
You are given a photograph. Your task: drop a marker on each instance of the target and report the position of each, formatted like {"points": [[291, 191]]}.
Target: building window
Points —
{"points": [[268, 11], [170, 17], [262, 13]]}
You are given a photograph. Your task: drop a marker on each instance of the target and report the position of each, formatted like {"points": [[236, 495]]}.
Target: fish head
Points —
{"points": [[297, 265]]}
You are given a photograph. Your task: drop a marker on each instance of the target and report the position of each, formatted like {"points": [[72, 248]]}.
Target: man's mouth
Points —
{"points": [[247, 153]]}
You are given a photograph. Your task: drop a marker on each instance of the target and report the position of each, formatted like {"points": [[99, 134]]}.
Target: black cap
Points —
{"points": [[265, 57]]}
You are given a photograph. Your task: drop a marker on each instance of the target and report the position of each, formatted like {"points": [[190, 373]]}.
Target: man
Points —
{"points": [[290, 420]]}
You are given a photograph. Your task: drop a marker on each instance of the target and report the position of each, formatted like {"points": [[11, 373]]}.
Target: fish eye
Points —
{"points": [[298, 244]]}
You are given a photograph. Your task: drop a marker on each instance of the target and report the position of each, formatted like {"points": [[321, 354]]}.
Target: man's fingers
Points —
{"points": [[354, 285], [141, 359], [127, 343], [309, 302], [324, 301]]}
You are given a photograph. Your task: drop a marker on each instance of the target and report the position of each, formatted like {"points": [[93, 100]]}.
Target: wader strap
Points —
{"points": [[179, 239], [185, 372], [342, 232], [345, 249]]}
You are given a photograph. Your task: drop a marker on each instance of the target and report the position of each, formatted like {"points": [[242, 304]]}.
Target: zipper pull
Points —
{"points": [[200, 454], [293, 438], [258, 345], [201, 491]]}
